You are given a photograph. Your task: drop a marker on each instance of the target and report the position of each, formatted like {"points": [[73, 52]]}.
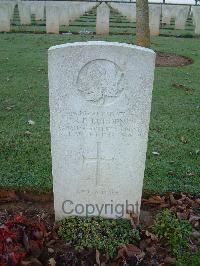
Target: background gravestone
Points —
{"points": [[196, 18], [154, 19], [167, 13], [181, 16], [52, 19], [100, 98], [24, 12], [102, 19], [4, 18]]}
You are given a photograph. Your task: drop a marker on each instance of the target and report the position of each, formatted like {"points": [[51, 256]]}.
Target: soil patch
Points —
{"points": [[33, 221], [171, 60]]}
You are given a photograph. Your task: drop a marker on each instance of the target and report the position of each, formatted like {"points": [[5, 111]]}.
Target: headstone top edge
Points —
{"points": [[101, 43]]}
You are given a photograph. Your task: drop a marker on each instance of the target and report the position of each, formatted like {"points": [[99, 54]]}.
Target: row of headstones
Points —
{"points": [[167, 12], [58, 13]]}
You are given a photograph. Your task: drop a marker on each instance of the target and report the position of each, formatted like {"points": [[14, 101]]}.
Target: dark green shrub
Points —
{"points": [[106, 235], [171, 231], [192, 259]]}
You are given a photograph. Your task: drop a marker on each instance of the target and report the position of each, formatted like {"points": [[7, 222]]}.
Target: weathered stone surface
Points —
{"points": [[196, 18], [100, 98], [102, 20], [37, 8], [167, 13], [181, 15], [52, 19], [63, 14], [126, 9], [24, 12], [154, 19], [4, 17]]}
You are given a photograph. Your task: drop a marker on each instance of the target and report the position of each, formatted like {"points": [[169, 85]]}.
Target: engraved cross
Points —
{"points": [[98, 159]]}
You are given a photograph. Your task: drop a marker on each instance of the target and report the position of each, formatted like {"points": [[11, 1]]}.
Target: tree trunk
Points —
{"points": [[142, 23]]}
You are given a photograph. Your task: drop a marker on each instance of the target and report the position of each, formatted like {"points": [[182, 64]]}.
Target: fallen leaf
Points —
{"points": [[10, 107], [183, 140], [154, 200], [35, 262], [194, 218], [197, 151], [27, 133], [196, 234], [35, 249], [172, 199], [183, 87], [155, 153], [152, 236], [151, 250], [134, 219], [98, 257], [50, 250], [31, 122], [182, 215], [129, 251], [169, 260]]}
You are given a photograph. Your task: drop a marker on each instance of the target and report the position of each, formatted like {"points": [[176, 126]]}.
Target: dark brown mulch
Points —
{"points": [[37, 234], [171, 60]]}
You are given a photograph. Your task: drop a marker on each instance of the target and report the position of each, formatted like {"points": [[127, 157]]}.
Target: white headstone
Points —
{"points": [[72, 11], [126, 9], [167, 13], [24, 12], [37, 8], [196, 18], [11, 7], [4, 18], [102, 19], [181, 15], [100, 99], [64, 14], [154, 19], [52, 19]]}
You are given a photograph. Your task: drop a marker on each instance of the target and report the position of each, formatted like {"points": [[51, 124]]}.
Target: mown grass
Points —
{"points": [[175, 118]]}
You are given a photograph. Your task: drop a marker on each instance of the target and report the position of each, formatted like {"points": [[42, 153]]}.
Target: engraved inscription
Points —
{"points": [[100, 82], [101, 124], [97, 159]]}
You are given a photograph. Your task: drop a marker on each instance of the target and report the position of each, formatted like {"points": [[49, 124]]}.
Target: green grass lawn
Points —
{"points": [[25, 160]]}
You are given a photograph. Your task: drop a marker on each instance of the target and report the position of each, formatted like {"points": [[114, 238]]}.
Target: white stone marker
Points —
{"points": [[181, 15], [63, 14], [127, 9], [11, 7], [24, 12], [37, 8], [167, 13], [4, 18], [196, 18], [100, 99], [52, 19], [102, 19], [154, 19]]}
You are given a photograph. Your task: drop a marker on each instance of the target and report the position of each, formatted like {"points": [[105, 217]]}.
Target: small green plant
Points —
{"points": [[174, 232], [189, 258], [106, 235]]}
